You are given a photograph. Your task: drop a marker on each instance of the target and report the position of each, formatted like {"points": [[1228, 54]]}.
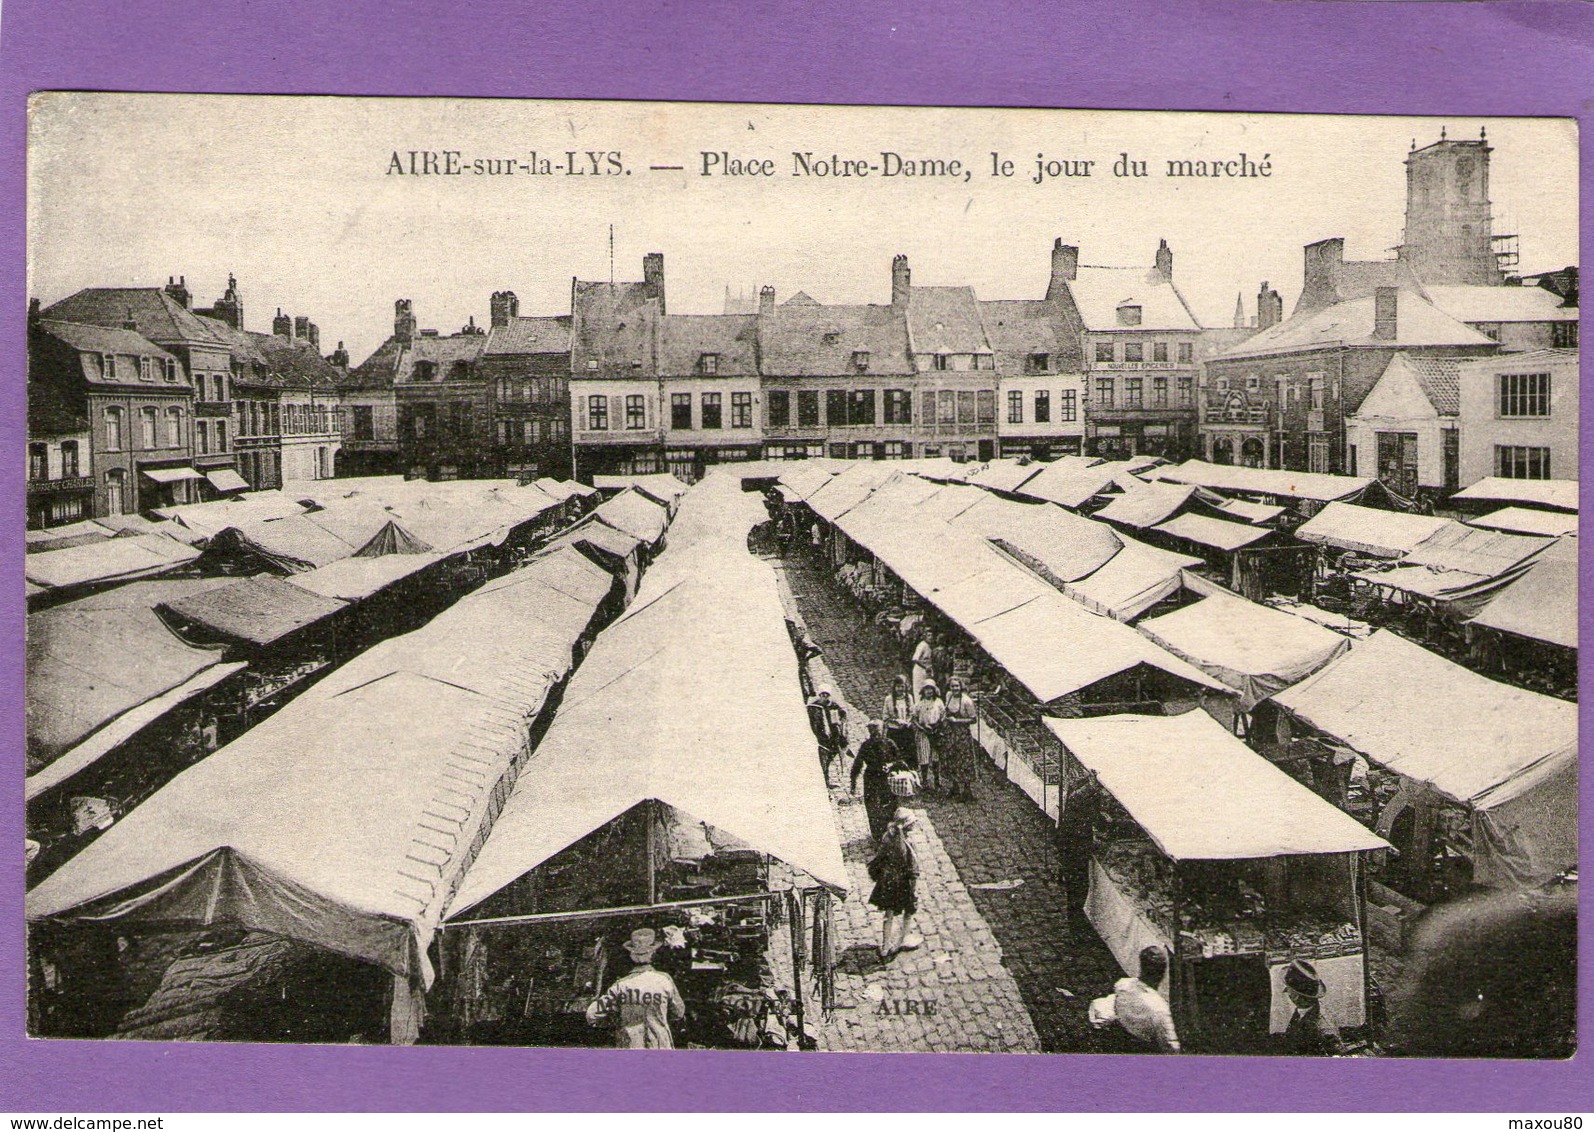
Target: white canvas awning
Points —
{"points": [[171, 475], [225, 479], [1253, 649], [1542, 604], [1560, 494], [1202, 795], [1220, 534], [1367, 530], [1477, 742]]}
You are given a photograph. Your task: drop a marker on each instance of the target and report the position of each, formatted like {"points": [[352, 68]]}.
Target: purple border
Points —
{"points": [[1507, 58]]}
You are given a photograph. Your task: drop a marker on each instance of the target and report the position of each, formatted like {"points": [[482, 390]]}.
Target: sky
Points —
{"points": [[296, 197]]}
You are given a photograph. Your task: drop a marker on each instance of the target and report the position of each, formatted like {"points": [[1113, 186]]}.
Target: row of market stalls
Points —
{"points": [[136, 680], [484, 855], [1186, 850]]}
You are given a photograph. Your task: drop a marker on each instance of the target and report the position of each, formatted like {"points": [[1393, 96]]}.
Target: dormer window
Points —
{"points": [[708, 363], [460, 371], [860, 361], [831, 337], [146, 369], [941, 361], [108, 366], [425, 371], [1129, 314], [592, 364], [1037, 363], [171, 369]]}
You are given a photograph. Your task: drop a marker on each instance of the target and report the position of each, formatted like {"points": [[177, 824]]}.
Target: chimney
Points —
{"points": [[282, 325], [403, 321], [766, 300], [230, 307], [130, 323], [1165, 261], [315, 337], [179, 291], [340, 357], [1320, 276], [653, 276], [901, 281], [1065, 267], [1386, 313], [33, 309], [301, 327], [502, 307], [1269, 307], [471, 328]]}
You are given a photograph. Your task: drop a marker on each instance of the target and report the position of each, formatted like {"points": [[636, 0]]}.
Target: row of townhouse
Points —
{"points": [[137, 400], [1106, 361], [1430, 370]]}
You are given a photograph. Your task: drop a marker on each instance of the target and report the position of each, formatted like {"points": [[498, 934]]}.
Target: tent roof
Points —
{"points": [[1264, 481], [1132, 581], [1218, 533], [207, 519], [1147, 504], [257, 611], [91, 660], [71, 534], [1071, 481], [806, 478], [635, 514], [129, 556], [1542, 604], [564, 489], [1252, 648], [1005, 475], [1250, 512], [352, 579], [660, 485], [1203, 795], [1486, 553], [1419, 715], [844, 491], [1367, 530], [1559, 494], [659, 710], [1528, 521]]}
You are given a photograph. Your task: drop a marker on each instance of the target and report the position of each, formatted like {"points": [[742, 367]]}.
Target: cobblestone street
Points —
{"points": [[999, 964]]}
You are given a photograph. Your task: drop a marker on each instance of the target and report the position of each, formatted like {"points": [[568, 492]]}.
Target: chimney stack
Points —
{"points": [[1065, 267], [403, 322], [1269, 307], [179, 291], [315, 337], [130, 323], [282, 325], [901, 281], [653, 276], [502, 307], [340, 357], [1386, 313], [766, 300], [301, 327], [1165, 261]]}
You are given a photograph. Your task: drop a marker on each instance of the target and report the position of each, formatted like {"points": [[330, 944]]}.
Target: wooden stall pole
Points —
{"points": [[1358, 874], [649, 814], [794, 900]]}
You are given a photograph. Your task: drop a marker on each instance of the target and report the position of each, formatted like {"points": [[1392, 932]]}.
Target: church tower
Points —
{"points": [[1449, 229]]}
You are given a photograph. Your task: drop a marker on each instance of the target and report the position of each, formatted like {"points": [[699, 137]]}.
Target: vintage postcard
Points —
{"points": [[801, 578]]}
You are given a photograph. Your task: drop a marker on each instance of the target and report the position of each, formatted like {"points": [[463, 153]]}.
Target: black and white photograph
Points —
{"points": [[851, 579]]}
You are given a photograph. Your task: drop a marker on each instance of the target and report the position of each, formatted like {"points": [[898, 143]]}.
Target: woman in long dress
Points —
{"points": [[929, 714], [957, 748], [895, 871]]}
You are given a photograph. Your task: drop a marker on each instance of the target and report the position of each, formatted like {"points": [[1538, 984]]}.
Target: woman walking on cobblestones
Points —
{"points": [[957, 747], [895, 871]]}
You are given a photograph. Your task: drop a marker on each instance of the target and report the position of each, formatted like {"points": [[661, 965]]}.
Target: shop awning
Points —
{"points": [[227, 480], [1367, 530], [661, 709], [172, 475], [1203, 795], [1542, 604], [1220, 534], [1255, 650]]}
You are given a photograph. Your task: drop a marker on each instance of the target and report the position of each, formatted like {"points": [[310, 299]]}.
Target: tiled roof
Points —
{"points": [[441, 352], [945, 320], [294, 363], [1021, 327], [92, 339], [614, 327], [530, 336], [376, 372], [819, 341], [685, 338], [158, 316], [1418, 323], [1438, 379], [1100, 291], [1500, 304]]}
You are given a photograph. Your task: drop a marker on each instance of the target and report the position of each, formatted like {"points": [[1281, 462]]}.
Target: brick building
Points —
{"points": [[1040, 379], [525, 363]]}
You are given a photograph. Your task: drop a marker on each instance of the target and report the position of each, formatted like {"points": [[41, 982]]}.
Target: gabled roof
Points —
{"points": [[158, 316], [1417, 323], [440, 352], [1099, 292], [1017, 328], [945, 320], [528, 335], [685, 338], [820, 341], [92, 339], [292, 363], [1475, 303], [1437, 378], [614, 327], [801, 299]]}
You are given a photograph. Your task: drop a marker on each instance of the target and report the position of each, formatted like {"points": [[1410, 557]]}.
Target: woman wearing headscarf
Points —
{"points": [[877, 758], [895, 871], [929, 715], [897, 716], [957, 746]]}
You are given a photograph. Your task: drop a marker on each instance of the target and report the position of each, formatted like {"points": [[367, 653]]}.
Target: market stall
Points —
{"points": [[1497, 809], [1204, 847]]}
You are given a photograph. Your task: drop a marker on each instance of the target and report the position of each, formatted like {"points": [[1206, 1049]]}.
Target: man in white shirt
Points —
{"points": [[642, 1002], [1140, 1007]]}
